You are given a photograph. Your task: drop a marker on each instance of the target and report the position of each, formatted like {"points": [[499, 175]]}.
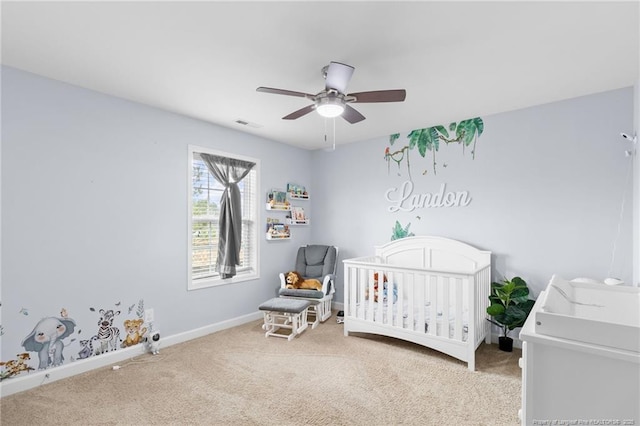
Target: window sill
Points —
{"points": [[201, 283]]}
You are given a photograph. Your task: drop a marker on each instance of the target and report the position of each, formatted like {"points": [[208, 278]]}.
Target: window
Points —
{"points": [[205, 194]]}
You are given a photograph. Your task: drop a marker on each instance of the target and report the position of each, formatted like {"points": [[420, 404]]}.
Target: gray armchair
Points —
{"points": [[319, 262]]}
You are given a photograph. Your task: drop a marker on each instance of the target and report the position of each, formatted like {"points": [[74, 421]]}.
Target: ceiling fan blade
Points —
{"points": [[284, 92], [338, 76], [299, 113], [379, 96], [351, 115]]}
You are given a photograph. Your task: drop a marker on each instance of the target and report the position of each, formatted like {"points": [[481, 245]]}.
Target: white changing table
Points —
{"points": [[575, 381]]}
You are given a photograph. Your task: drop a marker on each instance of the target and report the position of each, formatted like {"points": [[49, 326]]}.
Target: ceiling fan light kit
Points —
{"points": [[332, 101], [330, 110], [330, 105]]}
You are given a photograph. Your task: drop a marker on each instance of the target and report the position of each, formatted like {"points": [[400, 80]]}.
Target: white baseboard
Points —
{"points": [[41, 377], [203, 331]]}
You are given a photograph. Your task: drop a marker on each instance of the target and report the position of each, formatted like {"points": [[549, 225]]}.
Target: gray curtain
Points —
{"points": [[228, 171]]}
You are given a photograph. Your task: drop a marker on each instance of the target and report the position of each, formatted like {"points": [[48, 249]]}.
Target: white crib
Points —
{"points": [[436, 294]]}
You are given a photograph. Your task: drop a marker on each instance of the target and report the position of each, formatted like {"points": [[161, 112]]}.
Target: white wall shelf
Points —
{"points": [[279, 207], [289, 221], [298, 196], [277, 237]]}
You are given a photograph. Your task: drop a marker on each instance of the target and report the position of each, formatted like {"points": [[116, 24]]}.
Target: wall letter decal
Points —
{"points": [[403, 198]]}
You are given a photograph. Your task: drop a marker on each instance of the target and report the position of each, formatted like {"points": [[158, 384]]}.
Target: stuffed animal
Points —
{"points": [[296, 281], [384, 289]]}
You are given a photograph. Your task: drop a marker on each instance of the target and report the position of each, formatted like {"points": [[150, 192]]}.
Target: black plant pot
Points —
{"points": [[505, 344]]}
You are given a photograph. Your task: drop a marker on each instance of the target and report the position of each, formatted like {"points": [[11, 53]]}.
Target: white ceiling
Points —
{"points": [[456, 60]]}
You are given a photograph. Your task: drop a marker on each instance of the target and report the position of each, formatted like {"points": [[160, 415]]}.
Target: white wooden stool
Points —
{"points": [[290, 314]]}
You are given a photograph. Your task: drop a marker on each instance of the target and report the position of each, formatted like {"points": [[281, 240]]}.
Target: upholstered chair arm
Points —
{"points": [[328, 283]]}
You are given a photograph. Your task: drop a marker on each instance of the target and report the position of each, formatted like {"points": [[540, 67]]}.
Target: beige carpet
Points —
{"points": [[239, 377]]}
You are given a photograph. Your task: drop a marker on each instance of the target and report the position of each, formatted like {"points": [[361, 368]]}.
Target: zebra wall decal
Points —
{"points": [[108, 337]]}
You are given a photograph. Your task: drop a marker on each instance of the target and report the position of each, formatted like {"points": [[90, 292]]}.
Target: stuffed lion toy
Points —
{"points": [[296, 281]]}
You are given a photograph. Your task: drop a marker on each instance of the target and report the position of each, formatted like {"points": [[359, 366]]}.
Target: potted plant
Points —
{"points": [[510, 306]]}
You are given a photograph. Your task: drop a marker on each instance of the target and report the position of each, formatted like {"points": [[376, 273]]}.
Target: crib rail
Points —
{"points": [[447, 307]]}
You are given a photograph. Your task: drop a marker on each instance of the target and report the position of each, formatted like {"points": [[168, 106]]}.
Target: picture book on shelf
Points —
{"points": [[277, 229], [297, 191], [297, 213]]}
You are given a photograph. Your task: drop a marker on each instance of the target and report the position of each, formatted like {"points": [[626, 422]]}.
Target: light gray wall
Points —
{"points": [[94, 211], [546, 183], [94, 193]]}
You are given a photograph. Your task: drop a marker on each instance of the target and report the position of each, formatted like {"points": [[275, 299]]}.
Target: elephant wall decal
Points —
{"points": [[46, 340]]}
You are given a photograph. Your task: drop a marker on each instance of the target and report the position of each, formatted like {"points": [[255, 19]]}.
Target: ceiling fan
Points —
{"points": [[332, 101]]}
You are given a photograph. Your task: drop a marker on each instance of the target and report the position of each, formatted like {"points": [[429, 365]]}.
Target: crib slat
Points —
{"points": [[419, 303], [364, 301], [473, 315], [379, 309], [457, 333], [356, 289], [433, 311], [347, 289], [446, 302], [408, 324], [406, 277], [353, 290], [392, 308], [382, 304], [479, 316]]}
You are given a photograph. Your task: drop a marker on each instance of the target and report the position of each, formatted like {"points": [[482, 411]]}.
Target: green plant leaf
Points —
{"points": [[495, 309], [527, 306], [495, 285], [520, 295], [516, 313], [434, 138], [452, 127], [413, 136], [509, 286], [425, 139], [518, 281], [470, 132], [423, 142], [467, 130], [460, 131], [416, 138], [400, 232], [494, 299], [442, 130], [479, 125]]}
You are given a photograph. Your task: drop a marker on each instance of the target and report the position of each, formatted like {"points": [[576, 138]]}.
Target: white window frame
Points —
{"points": [[254, 273]]}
